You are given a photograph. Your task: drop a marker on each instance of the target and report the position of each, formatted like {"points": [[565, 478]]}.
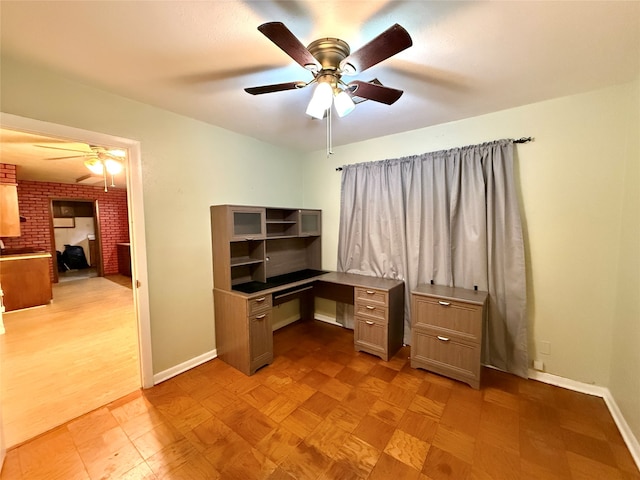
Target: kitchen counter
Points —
{"points": [[25, 279], [4, 256]]}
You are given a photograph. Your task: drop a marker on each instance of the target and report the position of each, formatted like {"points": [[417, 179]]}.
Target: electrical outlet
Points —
{"points": [[545, 347], [538, 365]]}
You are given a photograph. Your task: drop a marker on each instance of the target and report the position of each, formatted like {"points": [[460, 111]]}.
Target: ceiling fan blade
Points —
{"points": [[289, 43], [276, 87], [375, 92], [64, 158], [67, 149], [387, 44]]}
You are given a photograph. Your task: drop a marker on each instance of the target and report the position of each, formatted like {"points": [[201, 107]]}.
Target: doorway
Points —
{"points": [[76, 232], [139, 293]]}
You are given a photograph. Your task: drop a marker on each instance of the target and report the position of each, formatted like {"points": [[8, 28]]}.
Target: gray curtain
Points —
{"points": [[451, 217]]}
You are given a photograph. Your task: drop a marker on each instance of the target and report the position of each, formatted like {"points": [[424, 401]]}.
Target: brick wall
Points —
{"points": [[7, 173], [34, 202]]}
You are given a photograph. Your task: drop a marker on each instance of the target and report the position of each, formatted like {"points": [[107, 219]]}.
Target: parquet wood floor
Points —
{"points": [[324, 412]]}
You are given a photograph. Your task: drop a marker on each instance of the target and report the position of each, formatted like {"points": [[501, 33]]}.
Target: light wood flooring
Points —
{"points": [[68, 358], [324, 412]]}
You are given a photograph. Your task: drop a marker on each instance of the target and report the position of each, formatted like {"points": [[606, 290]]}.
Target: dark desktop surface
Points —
{"points": [[277, 281]]}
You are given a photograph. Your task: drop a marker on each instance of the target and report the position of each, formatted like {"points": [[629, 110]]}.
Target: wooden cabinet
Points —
{"points": [[72, 208], [25, 280], [9, 213], [124, 258], [260, 332], [244, 336], [378, 320], [446, 331]]}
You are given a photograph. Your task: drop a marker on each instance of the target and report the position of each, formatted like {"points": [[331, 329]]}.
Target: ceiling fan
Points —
{"points": [[89, 151], [99, 160], [328, 59]]}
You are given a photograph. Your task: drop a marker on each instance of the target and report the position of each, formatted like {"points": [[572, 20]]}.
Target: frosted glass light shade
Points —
{"points": [[95, 165], [113, 166], [320, 101], [343, 103], [98, 166]]}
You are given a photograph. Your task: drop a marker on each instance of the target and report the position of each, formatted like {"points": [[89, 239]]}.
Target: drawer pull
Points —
{"points": [[370, 292], [369, 307], [445, 304], [368, 322], [260, 317], [261, 299], [444, 339]]}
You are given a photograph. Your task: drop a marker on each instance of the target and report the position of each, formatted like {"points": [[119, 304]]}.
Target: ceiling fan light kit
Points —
{"points": [[99, 161], [99, 166], [328, 59]]}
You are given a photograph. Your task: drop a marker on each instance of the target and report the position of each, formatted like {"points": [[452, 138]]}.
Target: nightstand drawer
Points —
{"points": [[456, 318], [371, 296], [259, 303]]}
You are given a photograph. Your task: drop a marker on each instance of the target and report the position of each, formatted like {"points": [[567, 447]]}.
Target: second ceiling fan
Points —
{"points": [[99, 160], [328, 59]]}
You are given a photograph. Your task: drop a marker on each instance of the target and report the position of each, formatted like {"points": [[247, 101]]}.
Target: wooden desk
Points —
{"points": [[244, 336]]}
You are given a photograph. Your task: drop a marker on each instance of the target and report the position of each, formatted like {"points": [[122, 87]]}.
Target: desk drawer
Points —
{"points": [[371, 336], [371, 296], [258, 304], [376, 312]]}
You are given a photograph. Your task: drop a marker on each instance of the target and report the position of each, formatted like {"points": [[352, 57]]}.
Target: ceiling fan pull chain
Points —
{"points": [[329, 133]]}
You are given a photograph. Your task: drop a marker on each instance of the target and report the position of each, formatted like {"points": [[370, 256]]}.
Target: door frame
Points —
{"points": [[135, 206]]}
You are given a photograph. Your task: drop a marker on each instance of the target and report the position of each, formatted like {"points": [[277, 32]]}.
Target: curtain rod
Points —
{"points": [[520, 140]]}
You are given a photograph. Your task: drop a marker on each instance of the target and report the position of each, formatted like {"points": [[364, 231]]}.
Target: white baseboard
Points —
{"points": [[184, 366], [627, 435], [567, 383], [317, 316]]}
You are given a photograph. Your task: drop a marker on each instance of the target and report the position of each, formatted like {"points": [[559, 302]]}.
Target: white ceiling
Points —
{"points": [[196, 57]]}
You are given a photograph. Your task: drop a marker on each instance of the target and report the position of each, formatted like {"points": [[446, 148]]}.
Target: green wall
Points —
{"points": [[187, 166]]}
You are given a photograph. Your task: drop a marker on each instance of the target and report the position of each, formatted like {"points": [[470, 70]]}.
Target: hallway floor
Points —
{"points": [[69, 357]]}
